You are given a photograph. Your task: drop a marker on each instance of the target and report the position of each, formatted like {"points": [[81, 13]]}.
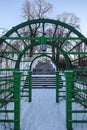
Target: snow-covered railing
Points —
{"points": [[80, 85], [5, 85], [75, 89], [13, 89]]}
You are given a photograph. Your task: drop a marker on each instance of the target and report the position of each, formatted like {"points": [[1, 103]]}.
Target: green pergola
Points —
{"points": [[15, 34], [15, 51]]}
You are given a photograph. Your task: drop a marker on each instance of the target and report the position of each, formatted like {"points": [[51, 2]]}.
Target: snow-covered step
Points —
{"points": [[43, 81]]}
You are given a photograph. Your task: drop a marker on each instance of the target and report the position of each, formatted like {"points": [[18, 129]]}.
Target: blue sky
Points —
{"points": [[11, 11]]}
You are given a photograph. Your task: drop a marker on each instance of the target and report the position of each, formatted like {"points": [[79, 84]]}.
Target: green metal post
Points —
{"points": [[17, 79], [30, 86], [57, 86], [69, 82]]}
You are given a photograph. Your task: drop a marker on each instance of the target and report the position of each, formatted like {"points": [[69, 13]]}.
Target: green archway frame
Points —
{"points": [[30, 22], [68, 63], [42, 55], [43, 21], [17, 62]]}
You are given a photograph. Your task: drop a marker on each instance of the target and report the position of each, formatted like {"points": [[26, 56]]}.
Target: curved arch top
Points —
{"points": [[56, 22], [38, 57], [68, 62], [42, 21]]}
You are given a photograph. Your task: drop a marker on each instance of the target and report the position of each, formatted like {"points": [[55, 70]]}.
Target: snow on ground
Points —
{"points": [[79, 116], [43, 113]]}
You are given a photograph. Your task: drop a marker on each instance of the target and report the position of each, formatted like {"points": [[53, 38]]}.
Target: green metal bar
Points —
{"points": [[4, 83], [75, 46], [78, 100], [7, 58], [76, 60], [69, 87], [7, 69], [6, 90], [17, 78], [62, 96], [30, 86], [46, 38], [80, 70], [24, 91], [68, 62], [57, 86], [55, 31], [79, 90], [79, 111], [26, 61], [65, 39], [20, 37], [6, 111], [5, 101], [74, 53], [38, 57], [12, 52], [81, 79], [11, 45], [8, 121], [30, 22], [6, 76], [78, 121], [11, 80], [20, 52]]}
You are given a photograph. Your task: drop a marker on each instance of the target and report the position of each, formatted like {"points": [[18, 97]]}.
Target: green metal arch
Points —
{"points": [[68, 63], [38, 57], [30, 22], [51, 21]]}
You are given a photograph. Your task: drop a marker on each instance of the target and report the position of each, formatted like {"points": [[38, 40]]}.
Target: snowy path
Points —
{"points": [[43, 113]]}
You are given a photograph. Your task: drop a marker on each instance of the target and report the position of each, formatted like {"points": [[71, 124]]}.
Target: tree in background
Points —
{"points": [[72, 20], [41, 9], [35, 10]]}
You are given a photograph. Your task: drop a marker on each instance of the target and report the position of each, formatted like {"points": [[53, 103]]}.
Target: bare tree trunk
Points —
{"points": [[57, 60], [53, 53]]}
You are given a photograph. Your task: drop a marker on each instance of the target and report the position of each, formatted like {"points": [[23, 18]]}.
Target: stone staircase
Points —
{"points": [[43, 77], [42, 81]]}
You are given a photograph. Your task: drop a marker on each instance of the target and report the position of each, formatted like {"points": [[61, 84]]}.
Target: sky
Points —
{"points": [[11, 12]]}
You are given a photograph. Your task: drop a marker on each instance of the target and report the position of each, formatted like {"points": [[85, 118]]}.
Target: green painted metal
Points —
{"points": [[6, 92], [42, 38], [30, 86], [66, 38], [17, 80], [69, 80], [20, 37], [76, 46], [30, 22], [7, 58], [38, 41], [57, 86], [15, 91], [68, 63], [10, 45], [42, 55]]}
